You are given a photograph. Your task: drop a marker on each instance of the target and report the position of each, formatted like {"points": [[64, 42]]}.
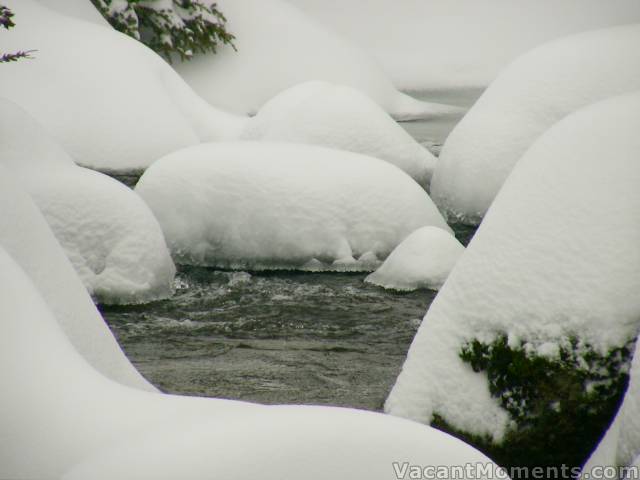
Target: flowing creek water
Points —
{"points": [[281, 337]]}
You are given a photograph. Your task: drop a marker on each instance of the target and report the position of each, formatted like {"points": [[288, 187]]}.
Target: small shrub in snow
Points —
{"points": [[559, 405], [169, 26], [6, 21]]}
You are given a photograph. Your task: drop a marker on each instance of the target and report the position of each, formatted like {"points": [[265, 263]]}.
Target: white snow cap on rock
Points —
{"points": [[111, 102], [423, 260], [110, 235], [25, 235], [87, 426], [339, 117], [526, 99], [278, 46], [556, 256], [445, 44], [270, 206]]}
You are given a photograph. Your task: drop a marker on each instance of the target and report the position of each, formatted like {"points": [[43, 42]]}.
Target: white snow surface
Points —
{"points": [[25, 235], [445, 44], [110, 101], [278, 46], [269, 206], [107, 231], [81, 9], [556, 256], [423, 260], [339, 117], [87, 426], [528, 97]]}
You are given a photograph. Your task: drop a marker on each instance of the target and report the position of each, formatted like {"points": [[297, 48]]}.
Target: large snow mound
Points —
{"points": [[440, 44], [556, 256], [117, 110], [270, 206], [339, 117], [25, 235], [423, 260], [528, 97], [107, 231], [278, 47], [87, 426]]}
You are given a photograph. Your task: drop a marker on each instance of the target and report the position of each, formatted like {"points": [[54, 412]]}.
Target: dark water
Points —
{"points": [[285, 337]]}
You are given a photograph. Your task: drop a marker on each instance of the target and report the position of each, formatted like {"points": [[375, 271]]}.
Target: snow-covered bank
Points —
{"points": [[278, 46], [109, 234], [436, 44], [262, 205], [423, 260], [117, 110], [552, 270], [526, 99], [339, 117], [25, 235]]}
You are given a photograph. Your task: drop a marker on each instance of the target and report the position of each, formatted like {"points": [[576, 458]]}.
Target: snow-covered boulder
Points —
{"points": [[440, 44], [278, 46], [25, 235], [269, 206], [107, 231], [528, 97], [111, 102], [423, 260], [59, 418], [548, 287], [339, 117]]}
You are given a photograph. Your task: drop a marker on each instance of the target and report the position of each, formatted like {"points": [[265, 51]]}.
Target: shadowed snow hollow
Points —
{"points": [[556, 257], [278, 47], [109, 234], [423, 260], [87, 426], [528, 97], [111, 102], [339, 117], [264, 206]]}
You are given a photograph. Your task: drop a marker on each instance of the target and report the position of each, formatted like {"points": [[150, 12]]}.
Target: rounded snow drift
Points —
{"points": [[423, 260], [339, 117], [283, 206], [528, 97]]}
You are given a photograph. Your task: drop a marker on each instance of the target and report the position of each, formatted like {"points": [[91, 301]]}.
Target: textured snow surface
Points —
{"points": [[423, 260], [527, 98], [263, 205], [443, 44], [278, 46], [106, 230], [557, 255], [339, 117], [25, 235], [118, 109], [87, 426]]}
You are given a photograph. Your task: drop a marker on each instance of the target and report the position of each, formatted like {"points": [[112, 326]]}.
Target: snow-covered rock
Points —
{"points": [[278, 46], [528, 97], [444, 44], [268, 206], [339, 117], [107, 231], [59, 418], [25, 235], [552, 268], [117, 110], [423, 260]]}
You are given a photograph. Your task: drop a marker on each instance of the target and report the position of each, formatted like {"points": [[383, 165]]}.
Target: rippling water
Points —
{"points": [[281, 337]]}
